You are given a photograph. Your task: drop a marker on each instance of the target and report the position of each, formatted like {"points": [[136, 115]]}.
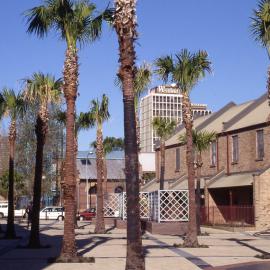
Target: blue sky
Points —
{"points": [[165, 27]]}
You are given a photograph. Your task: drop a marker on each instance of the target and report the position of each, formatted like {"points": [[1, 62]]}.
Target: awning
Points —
{"points": [[233, 180], [184, 184]]}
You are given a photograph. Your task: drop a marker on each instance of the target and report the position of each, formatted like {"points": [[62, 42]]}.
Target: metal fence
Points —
{"points": [[144, 205], [169, 205], [112, 204], [236, 215], [159, 206]]}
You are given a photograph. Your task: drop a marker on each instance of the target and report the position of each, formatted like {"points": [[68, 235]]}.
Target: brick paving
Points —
{"points": [[236, 250]]}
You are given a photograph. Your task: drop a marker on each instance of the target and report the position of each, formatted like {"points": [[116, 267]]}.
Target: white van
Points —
{"points": [[4, 210], [52, 212]]}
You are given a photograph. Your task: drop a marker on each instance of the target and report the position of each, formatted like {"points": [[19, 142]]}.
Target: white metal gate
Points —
{"points": [[144, 205]]}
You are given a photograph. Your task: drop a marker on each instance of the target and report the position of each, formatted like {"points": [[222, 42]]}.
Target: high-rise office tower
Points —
{"points": [[162, 101]]}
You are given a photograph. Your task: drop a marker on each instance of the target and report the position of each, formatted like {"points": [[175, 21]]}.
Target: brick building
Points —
{"points": [[4, 154], [236, 167], [87, 169]]}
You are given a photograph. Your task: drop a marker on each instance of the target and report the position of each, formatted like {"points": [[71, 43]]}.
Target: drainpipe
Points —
{"points": [[228, 160]]}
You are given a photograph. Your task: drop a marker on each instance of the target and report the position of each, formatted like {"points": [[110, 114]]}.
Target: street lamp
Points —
{"points": [[86, 178]]}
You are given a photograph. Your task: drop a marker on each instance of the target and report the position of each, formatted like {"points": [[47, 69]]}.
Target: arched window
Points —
{"points": [[118, 189], [93, 190]]}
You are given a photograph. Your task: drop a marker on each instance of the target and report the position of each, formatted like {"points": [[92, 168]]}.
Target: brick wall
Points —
{"points": [[109, 187], [261, 194], [247, 155]]}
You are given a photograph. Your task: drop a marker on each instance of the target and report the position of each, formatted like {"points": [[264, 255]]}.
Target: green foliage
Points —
{"points": [[19, 184], [82, 121], [12, 104], [260, 24], [148, 176], [42, 88], [163, 127], [143, 76], [185, 69], [201, 139], [75, 21], [99, 111], [110, 144], [26, 148]]}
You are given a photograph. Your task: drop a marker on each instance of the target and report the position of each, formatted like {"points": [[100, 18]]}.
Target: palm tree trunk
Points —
{"points": [[10, 232], [77, 184], [162, 164], [198, 193], [105, 174], [268, 84], [41, 131], [100, 223], [69, 249], [125, 24], [191, 239]]}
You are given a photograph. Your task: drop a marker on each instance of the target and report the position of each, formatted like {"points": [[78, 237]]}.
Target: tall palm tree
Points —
{"points": [[142, 79], [260, 27], [109, 144], [82, 122], [13, 106], [201, 141], [41, 90], [125, 25], [163, 127], [75, 23], [185, 70], [99, 113]]}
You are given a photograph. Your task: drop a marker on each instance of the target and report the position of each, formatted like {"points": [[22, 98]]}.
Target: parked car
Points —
{"points": [[87, 214], [4, 210], [52, 212]]}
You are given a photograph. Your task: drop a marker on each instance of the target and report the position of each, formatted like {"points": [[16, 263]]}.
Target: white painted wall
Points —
{"points": [[147, 160]]}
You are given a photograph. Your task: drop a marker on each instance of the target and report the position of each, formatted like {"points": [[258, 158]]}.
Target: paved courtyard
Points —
{"points": [[225, 248]]}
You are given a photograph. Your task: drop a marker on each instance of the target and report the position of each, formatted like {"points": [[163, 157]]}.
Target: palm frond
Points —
{"points": [[201, 139], [164, 67], [163, 127], [260, 23]]}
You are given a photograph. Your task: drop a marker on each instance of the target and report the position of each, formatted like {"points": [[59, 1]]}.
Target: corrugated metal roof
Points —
{"points": [[233, 180]]}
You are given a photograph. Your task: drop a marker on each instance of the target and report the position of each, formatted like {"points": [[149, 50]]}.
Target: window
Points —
{"points": [[260, 144], [214, 153], [235, 149], [92, 190], [177, 159], [118, 189]]}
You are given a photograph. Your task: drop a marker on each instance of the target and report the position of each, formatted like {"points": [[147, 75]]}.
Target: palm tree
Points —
{"points": [[186, 70], [142, 79], [13, 106], [125, 26], [99, 113], [201, 141], [163, 127], [260, 27], [109, 144], [42, 90], [75, 23], [82, 122]]}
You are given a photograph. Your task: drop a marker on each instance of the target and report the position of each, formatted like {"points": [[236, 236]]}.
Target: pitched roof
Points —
{"points": [[92, 154], [230, 117], [115, 169]]}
